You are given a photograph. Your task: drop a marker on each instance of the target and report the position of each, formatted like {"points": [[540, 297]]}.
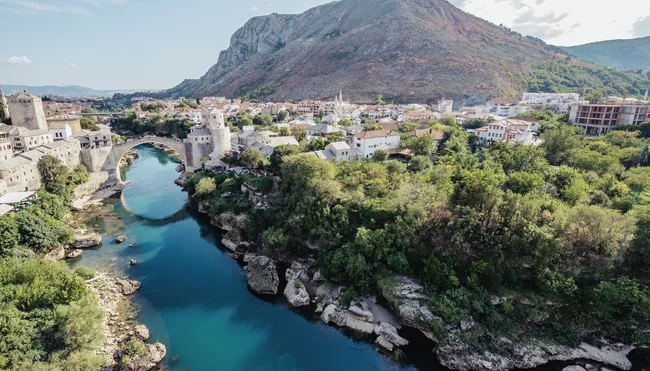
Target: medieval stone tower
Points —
{"points": [[211, 137], [27, 111]]}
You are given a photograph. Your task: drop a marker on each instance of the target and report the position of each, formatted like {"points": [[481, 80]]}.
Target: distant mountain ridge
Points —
{"points": [[632, 54], [407, 50], [70, 91]]}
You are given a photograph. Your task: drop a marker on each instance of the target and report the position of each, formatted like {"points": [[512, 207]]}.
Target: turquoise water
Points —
{"points": [[195, 299]]}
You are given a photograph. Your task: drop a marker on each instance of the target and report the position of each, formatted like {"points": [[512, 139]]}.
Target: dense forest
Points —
{"points": [[558, 234]]}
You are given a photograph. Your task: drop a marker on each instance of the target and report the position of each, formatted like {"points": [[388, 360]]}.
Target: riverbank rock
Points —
{"points": [[141, 332], [232, 239], [120, 239], [151, 355], [229, 221], [57, 253], [75, 253], [574, 368], [133, 262], [354, 323], [204, 207], [407, 297], [458, 356], [262, 275], [295, 291], [333, 314], [361, 314], [128, 287], [318, 277], [85, 240], [389, 333]]}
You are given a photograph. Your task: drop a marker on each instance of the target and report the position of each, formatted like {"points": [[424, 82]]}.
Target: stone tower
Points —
{"points": [[4, 104], [27, 111], [220, 132]]}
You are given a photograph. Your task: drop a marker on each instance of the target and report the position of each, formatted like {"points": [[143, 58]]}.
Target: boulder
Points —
{"points": [[132, 262], [204, 207], [56, 254], [75, 253], [385, 343], [84, 241], [361, 314], [128, 287], [150, 357], [354, 323], [295, 291], [120, 239], [333, 314], [232, 239], [318, 277], [409, 299], [574, 368], [466, 324], [388, 332], [141, 332], [262, 275]]}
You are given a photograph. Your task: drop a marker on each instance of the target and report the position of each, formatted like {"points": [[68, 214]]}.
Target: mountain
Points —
{"points": [[633, 54], [407, 50], [70, 91]]}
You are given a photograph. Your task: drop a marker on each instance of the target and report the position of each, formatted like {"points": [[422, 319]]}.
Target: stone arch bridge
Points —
{"points": [[119, 150]]}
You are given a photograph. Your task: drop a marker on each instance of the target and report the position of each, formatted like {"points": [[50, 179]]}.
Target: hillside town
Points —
{"points": [[337, 129]]}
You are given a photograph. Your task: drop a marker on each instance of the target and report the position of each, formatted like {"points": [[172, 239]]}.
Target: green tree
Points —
{"points": [[282, 115], [205, 187], [35, 232], [345, 122], [9, 235], [561, 143], [407, 127], [638, 181], [595, 97], [251, 157], [424, 145], [299, 133], [379, 101], [88, 123], [380, 155], [280, 152], [419, 163]]}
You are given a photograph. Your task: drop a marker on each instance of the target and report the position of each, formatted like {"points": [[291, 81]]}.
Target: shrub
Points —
{"points": [[85, 272]]}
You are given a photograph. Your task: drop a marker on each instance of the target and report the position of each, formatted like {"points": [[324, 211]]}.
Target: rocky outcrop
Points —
{"points": [[407, 297], [232, 239], [56, 254], [120, 239], [387, 334], [262, 275], [335, 315], [129, 158], [128, 287], [141, 332], [295, 291], [86, 240], [151, 355], [74, 253], [458, 356]]}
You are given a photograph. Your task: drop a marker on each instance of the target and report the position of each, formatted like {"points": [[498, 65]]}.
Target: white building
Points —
{"points": [[445, 105], [340, 151], [556, 102], [267, 147], [367, 142], [514, 131], [60, 130], [23, 139], [211, 136]]}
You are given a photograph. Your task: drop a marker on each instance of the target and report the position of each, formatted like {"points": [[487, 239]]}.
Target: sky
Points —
{"points": [[155, 44]]}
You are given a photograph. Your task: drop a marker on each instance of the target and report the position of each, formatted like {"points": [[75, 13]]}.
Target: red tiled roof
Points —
{"points": [[376, 134]]}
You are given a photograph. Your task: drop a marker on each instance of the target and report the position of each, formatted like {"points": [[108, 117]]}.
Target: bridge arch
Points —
{"points": [[119, 150]]}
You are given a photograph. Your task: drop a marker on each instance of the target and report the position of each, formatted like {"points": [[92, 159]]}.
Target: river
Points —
{"points": [[195, 298]]}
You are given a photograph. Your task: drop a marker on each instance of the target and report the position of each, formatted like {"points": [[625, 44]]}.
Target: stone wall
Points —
{"points": [[27, 111], [194, 152], [98, 159]]}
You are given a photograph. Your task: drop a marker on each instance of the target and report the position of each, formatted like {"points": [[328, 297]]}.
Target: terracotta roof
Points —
{"points": [[376, 134], [437, 135]]}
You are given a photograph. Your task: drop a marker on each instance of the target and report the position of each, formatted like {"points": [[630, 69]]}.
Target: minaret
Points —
{"points": [[645, 97], [5, 106]]}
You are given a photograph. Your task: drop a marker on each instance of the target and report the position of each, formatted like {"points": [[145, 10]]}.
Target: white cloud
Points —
{"points": [[78, 7], [253, 9], [72, 64], [16, 60], [563, 22], [641, 27]]}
